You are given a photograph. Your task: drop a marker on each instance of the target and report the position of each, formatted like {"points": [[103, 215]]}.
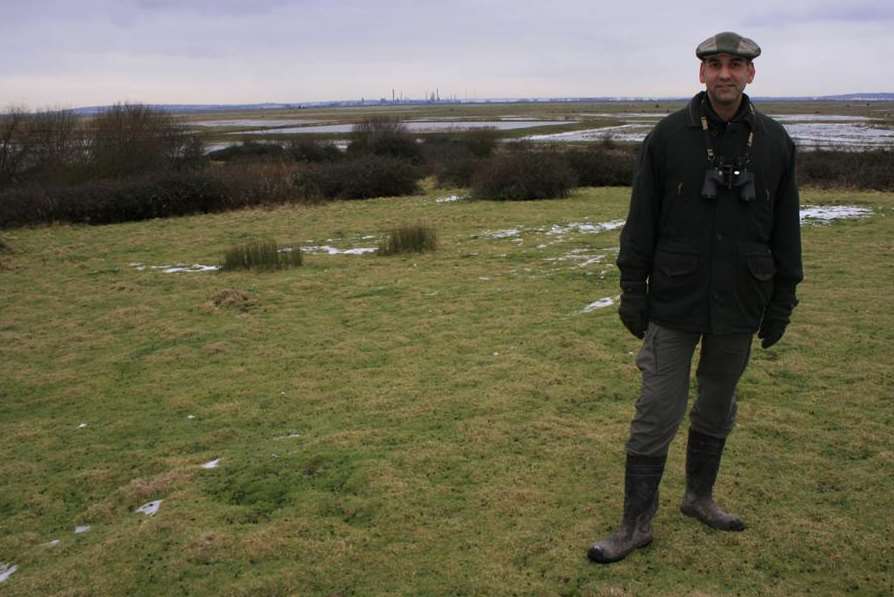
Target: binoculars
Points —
{"points": [[729, 176]]}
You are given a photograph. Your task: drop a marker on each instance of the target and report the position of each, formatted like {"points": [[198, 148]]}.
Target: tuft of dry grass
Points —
{"points": [[409, 238], [259, 255]]}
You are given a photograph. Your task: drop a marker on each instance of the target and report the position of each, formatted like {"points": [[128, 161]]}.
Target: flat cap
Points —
{"points": [[728, 43]]}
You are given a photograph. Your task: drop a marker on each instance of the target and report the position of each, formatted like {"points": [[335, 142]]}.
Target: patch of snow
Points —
{"points": [[197, 267], [499, 234], [82, 425], [600, 304], [7, 570], [190, 417], [585, 227], [330, 250], [80, 530], [54, 542], [176, 268], [829, 213], [450, 199], [211, 464], [149, 508]]}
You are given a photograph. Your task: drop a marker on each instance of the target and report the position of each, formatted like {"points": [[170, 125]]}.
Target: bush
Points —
{"points": [[250, 184], [112, 201], [481, 142], [248, 150], [847, 169], [384, 136], [523, 174], [602, 166], [261, 255], [453, 157], [358, 178], [307, 150], [416, 238], [129, 139]]}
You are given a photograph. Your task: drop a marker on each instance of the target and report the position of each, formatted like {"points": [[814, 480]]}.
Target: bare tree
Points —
{"points": [[14, 147]]}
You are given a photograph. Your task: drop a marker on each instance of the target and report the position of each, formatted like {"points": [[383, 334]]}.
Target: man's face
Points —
{"points": [[725, 78]]}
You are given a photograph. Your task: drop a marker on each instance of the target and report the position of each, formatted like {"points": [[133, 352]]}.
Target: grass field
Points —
{"points": [[450, 423]]}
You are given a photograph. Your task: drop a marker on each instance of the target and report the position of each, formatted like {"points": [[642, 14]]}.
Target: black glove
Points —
{"points": [[634, 312], [771, 331], [777, 316]]}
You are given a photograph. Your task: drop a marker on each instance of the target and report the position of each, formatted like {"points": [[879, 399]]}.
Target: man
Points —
{"points": [[710, 253]]}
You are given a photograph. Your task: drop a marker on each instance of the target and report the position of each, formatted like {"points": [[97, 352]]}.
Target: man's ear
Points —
{"points": [[751, 72], [701, 72]]}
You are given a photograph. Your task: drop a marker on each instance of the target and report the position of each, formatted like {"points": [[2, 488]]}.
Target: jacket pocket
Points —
{"points": [[675, 282], [674, 265], [761, 267]]}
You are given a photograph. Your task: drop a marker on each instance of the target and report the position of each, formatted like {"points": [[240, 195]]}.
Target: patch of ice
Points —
{"points": [[211, 464], [600, 304], [149, 508], [828, 213], [80, 530], [7, 570], [450, 199], [330, 250]]}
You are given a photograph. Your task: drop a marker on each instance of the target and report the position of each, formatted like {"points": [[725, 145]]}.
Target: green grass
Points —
{"points": [[428, 424]]}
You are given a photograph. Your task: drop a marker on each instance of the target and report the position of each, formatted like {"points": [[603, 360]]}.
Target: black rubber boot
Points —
{"points": [[641, 479], [703, 454]]}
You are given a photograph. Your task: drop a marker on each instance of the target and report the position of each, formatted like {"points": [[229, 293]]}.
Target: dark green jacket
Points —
{"points": [[713, 265]]}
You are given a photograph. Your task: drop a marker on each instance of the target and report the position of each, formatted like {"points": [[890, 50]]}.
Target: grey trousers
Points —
{"points": [[665, 361]]}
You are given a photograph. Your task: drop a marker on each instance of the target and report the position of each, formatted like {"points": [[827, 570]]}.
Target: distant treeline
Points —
{"points": [[133, 162]]}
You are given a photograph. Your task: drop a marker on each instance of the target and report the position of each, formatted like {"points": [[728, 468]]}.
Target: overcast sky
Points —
{"points": [[61, 53]]}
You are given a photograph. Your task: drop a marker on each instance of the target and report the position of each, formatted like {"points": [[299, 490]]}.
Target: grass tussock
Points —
{"points": [[261, 255], [412, 238]]}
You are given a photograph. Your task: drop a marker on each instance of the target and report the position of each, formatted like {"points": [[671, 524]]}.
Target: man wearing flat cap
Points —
{"points": [[710, 254]]}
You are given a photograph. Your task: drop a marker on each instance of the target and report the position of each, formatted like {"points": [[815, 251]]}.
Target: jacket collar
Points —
{"points": [[746, 112]]}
